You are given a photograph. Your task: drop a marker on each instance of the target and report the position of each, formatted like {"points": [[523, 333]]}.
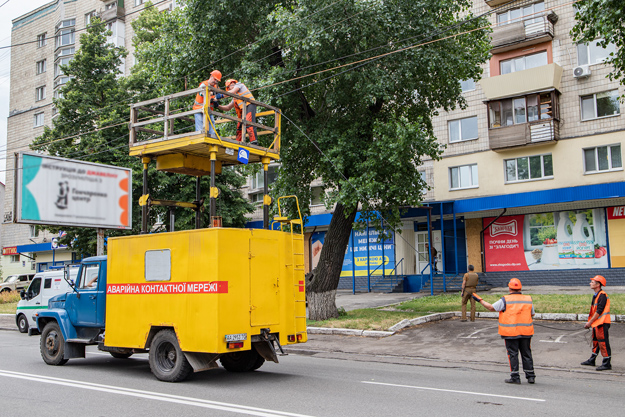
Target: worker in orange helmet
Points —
{"points": [[235, 87], [213, 81], [599, 320], [516, 327]]}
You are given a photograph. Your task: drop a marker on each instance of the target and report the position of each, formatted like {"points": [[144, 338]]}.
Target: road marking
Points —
{"points": [[476, 332], [559, 338], [150, 395], [454, 391]]}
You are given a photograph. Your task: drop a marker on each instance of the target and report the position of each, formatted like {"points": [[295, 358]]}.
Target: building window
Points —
{"points": [[33, 231], [602, 159], [138, 2], [592, 53], [529, 168], [57, 66], [40, 93], [463, 177], [38, 119], [521, 63], [89, 17], [527, 14], [317, 196], [58, 94], [65, 51], [66, 24], [65, 37], [15, 259], [41, 40], [61, 81], [520, 110], [600, 105], [463, 129], [41, 66], [258, 180], [467, 85]]}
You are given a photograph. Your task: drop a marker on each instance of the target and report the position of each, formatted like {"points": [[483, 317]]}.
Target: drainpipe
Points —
{"points": [[482, 255]]}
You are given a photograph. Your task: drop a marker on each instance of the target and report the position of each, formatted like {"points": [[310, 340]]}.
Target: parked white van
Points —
{"points": [[44, 286]]}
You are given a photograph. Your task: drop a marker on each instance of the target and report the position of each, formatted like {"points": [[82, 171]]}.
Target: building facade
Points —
{"points": [[42, 40]]}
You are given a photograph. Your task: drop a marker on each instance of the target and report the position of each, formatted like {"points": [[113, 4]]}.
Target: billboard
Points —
{"points": [[546, 241], [59, 191]]}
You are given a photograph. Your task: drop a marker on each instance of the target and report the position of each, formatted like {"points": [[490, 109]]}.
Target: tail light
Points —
{"points": [[299, 337], [291, 338], [235, 345]]}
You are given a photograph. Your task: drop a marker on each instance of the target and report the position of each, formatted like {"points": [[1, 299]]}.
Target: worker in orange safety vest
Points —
{"points": [[599, 320], [235, 87], [213, 81], [516, 327]]}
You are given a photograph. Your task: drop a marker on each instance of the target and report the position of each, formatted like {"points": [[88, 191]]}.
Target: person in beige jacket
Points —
{"points": [[469, 285]]}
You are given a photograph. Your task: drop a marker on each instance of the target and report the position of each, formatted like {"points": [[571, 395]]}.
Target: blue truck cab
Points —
{"points": [[76, 319]]}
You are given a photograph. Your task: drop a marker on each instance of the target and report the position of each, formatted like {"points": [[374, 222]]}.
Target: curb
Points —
{"points": [[618, 318]]}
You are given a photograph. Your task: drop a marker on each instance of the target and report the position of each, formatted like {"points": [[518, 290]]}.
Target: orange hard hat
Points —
{"points": [[514, 284], [217, 75], [230, 81], [599, 279]]}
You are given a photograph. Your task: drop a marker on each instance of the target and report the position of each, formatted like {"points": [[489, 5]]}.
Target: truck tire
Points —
{"points": [[22, 323], [119, 355], [243, 361], [167, 361], [52, 344]]}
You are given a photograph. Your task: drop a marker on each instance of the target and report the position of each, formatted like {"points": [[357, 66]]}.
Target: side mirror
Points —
{"points": [[22, 295]]}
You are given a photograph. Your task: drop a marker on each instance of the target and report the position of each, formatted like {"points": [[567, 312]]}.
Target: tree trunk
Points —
{"points": [[325, 278]]}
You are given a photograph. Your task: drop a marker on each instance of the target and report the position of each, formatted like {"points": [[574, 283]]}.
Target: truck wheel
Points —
{"points": [[167, 361], [52, 344], [118, 355], [22, 323], [242, 361]]}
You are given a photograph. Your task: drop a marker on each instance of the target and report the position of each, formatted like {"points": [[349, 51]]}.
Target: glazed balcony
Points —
{"points": [[532, 133], [545, 77]]}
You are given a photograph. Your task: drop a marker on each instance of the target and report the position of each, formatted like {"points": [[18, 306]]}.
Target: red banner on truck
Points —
{"points": [[214, 287]]}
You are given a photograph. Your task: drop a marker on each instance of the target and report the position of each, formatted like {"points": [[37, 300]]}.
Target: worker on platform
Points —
{"points": [[469, 287], [235, 87], [516, 328], [213, 81], [599, 320]]}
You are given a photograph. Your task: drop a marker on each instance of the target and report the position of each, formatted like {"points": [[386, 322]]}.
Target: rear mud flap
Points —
{"points": [[266, 350], [202, 361]]}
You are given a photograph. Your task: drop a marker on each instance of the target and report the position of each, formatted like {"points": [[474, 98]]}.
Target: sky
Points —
{"points": [[9, 10]]}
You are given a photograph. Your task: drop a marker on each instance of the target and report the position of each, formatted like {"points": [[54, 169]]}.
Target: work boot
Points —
{"points": [[513, 381], [590, 361], [531, 380], [605, 366]]}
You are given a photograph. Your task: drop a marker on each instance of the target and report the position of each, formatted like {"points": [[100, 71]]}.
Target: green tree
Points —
{"points": [[603, 19], [366, 127]]}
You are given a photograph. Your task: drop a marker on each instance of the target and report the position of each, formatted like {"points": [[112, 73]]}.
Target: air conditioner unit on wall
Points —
{"points": [[582, 71]]}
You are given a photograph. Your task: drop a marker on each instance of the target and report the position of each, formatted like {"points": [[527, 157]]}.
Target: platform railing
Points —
{"points": [[162, 118]]}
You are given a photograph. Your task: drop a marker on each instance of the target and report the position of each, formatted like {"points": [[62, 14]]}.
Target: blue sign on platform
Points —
{"points": [[243, 156]]}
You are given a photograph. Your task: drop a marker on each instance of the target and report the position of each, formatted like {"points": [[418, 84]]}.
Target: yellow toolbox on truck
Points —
{"points": [[226, 294]]}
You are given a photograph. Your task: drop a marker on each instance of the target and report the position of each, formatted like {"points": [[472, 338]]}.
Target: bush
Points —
{"points": [[9, 297]]}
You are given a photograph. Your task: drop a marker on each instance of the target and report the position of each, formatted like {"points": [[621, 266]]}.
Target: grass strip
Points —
{"points": [[366, 319]]}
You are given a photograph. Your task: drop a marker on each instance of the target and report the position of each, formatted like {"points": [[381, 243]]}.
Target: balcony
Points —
{"points": [[521, 34], [495, 3], [546, 77], [532, 133], [113, 13]]}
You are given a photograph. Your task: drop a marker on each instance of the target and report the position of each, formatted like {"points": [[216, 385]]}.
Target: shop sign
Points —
{"points": [[9, 250], [616, 212]]}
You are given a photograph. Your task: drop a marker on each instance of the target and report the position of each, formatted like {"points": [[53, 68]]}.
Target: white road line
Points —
{"points": [[559, 338], [455, 391], [476, 332], [150, 395]]}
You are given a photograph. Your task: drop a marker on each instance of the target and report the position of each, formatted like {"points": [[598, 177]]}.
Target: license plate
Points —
{"points": [[236, 337]]}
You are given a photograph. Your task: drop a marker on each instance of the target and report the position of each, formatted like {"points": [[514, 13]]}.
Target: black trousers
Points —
{"points": [[514, 346]]}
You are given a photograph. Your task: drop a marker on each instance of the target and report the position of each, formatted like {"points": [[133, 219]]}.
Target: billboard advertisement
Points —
{"points": [[59, 191], [364, 254], [546, 241]]}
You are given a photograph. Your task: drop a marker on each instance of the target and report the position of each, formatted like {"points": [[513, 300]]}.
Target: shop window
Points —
{"points": [[520, 110], [529, 168], [599, 105], [463, 177], [592, 53], [528, 14], [603, 159], [521, 63], [463, 129]]}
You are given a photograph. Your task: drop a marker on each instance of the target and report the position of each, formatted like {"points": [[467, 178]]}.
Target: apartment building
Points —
{"points": [[42, 40], [531, 181]]}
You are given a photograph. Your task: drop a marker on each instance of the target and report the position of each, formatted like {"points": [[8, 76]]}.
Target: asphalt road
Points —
{"points": [[301, 385]]}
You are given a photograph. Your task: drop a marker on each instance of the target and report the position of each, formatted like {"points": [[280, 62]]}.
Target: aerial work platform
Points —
{"points": [[163, 130]]}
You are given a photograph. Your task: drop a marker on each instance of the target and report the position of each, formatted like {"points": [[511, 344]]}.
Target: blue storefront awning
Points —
{"points": [[35, 247]]}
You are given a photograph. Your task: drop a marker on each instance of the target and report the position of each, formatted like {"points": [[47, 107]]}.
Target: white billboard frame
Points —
{"points": [[72, 172]]}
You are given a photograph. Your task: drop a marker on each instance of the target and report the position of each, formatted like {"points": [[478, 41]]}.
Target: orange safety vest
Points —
{"points": [[199, 97], [516, 320], [238, 103], [604, 318]]}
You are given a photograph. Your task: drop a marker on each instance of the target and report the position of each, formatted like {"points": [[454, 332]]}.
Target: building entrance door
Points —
{"points": [[421, 238]]}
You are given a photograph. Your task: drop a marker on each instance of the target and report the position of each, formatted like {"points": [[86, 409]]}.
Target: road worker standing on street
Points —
{"points": [[235, 87], [213, 81], [599, 320], [516, 328]]}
